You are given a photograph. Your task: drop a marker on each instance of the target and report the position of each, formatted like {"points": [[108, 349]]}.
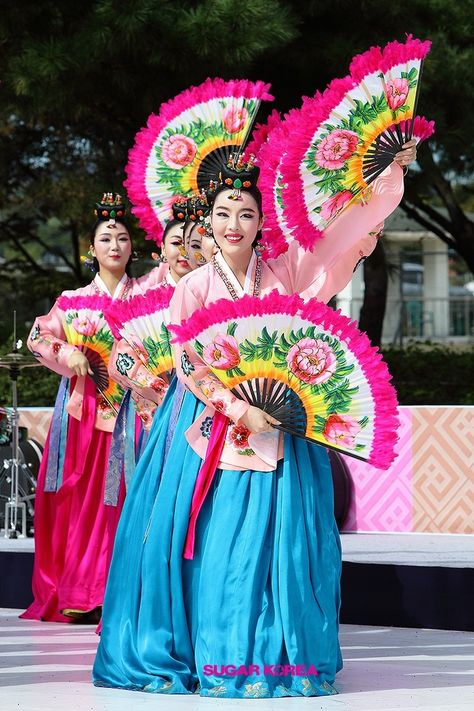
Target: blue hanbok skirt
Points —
{"points": [[255, 613]]}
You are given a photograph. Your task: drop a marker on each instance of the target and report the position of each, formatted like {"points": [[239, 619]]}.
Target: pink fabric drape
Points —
{"points": [[205, 477]]}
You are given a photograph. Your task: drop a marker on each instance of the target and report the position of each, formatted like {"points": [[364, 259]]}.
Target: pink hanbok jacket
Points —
{"points": [[47, 340], [319, 274]]}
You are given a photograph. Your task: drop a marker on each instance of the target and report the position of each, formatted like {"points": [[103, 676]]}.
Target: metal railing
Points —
{"points": [[419, 318]]}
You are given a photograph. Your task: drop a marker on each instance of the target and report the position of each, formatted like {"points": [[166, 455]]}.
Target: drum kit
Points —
{"points": [[17, 473]]}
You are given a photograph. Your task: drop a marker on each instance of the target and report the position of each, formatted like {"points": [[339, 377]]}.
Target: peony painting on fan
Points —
{"points": [[306, 365], [85, 326]]}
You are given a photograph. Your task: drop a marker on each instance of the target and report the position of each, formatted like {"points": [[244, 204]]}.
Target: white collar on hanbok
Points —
{"points": [[118, 289], [169, 279], [249, 276]]}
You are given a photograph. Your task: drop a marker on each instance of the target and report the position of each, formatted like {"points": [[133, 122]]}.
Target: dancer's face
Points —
{"points": [[172, 249], [235, 223], [112, 246], [199, 247]]}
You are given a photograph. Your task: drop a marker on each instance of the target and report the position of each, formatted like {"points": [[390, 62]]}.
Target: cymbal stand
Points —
{"points": [[14, 505]]}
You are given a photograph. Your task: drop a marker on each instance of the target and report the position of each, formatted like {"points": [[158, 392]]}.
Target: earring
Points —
{"points": [[259, 247], [134, 256], [163, 258], [89, 262]]}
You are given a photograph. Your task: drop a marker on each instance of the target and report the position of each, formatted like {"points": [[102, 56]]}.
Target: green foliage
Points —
{"points": [[432, 374], [79, 80]]}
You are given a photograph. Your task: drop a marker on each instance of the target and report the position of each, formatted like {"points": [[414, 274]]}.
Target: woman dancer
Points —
{"points": [[252, 611], [73, 528], [167, 397], [175, 263], [198, 238]]}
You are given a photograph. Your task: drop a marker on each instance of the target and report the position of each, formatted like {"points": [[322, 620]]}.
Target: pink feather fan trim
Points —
{"points": [[119, 312], [224, 310], [93, 302], [301, 127]]}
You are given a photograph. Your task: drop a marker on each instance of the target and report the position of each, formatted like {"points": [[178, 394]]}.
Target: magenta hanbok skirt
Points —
{"points": [[74, 529]]}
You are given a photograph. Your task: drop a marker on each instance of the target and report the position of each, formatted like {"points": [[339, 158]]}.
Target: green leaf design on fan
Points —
{"points": [[158, 349], [364, 113], [412, 77], [232, 372], [320, 423], [199, 348], [70, 316], [263, 349], [339, 397]]}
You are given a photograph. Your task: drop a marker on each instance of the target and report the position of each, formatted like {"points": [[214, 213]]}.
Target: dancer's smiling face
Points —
{"points": [[235, 223]]}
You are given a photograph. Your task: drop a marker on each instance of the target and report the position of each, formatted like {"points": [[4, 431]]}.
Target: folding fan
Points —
{"points": [[276, 233], [182, 148], [141, 321], [342, 140], [85, 326], [306, 365]]}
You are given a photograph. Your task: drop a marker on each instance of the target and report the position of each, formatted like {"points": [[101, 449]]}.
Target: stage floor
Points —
{"points": [[47, 665], [425, 549]]}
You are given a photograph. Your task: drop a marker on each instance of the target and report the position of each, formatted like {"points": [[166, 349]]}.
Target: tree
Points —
{"points": [[79, 79]]}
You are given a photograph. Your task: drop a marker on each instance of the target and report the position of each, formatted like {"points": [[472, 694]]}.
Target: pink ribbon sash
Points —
{"points": [[205, 477]]}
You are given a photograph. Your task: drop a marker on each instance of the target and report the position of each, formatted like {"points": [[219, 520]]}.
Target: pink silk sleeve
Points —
{"points": [[328, 268], [192, 370], [154, 277], [47, 341], [129, 371], [337, 278]]}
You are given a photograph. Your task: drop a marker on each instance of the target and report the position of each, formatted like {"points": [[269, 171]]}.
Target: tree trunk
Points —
{"points": [[375, 295], [455, 228]]}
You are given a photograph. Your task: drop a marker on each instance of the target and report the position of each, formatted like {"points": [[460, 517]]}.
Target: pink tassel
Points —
{"points": [[205, 477]]}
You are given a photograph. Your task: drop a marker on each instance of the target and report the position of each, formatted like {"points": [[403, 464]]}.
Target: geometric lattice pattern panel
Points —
{"points": [[430, 486], [382, 500], [443, 469], [37, 420]]}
